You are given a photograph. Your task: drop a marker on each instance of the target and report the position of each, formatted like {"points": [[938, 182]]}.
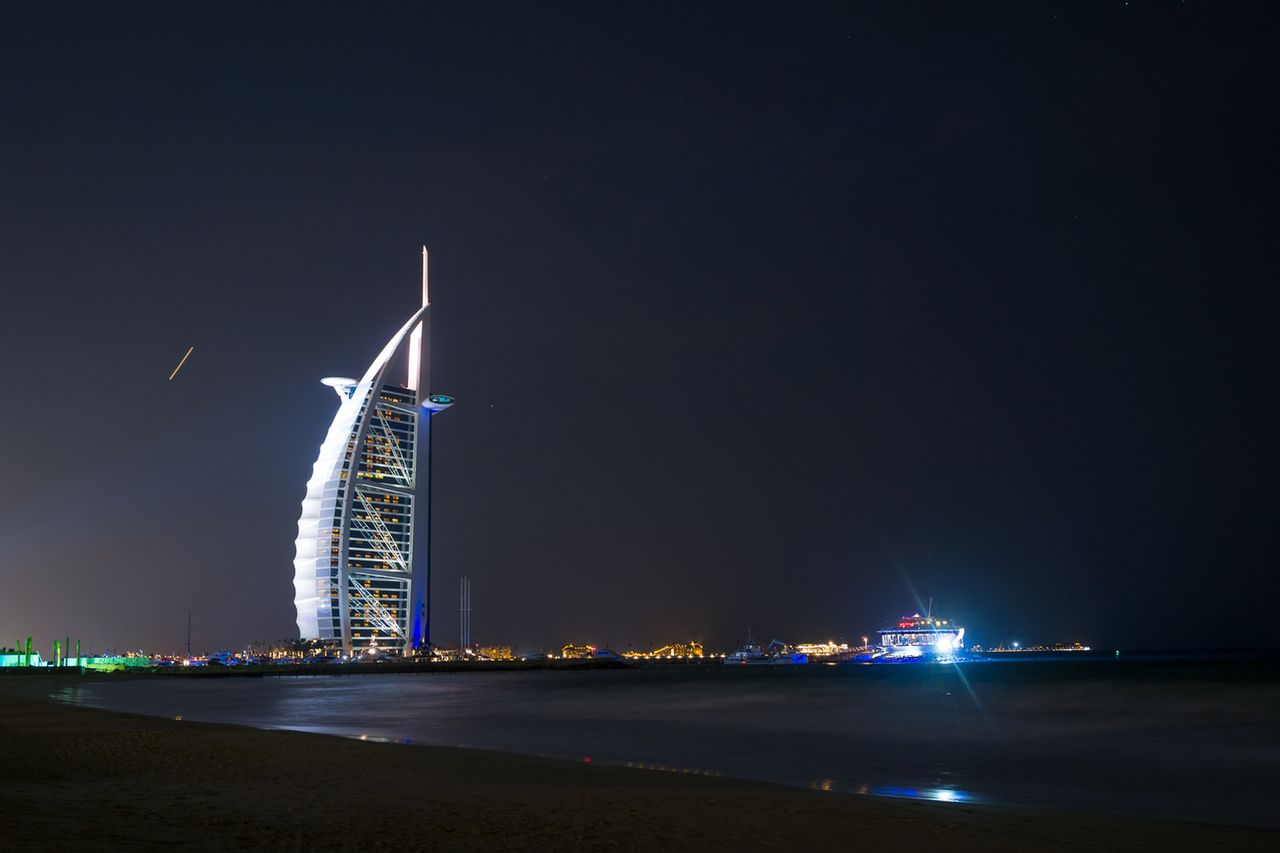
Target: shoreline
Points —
{"points": [[90, 779], [1260, 662]]}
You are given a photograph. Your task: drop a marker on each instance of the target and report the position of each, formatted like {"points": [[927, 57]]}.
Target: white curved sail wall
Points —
{"points": [[321, 582]]}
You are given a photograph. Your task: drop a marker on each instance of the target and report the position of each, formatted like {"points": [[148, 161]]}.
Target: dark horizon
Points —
{"points": [[792, 320]]}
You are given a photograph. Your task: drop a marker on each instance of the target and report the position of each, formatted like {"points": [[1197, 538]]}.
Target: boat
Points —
{"points": [[917, 637], [775, 654]]}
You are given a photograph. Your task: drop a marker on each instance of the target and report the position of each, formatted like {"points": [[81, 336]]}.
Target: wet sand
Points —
{"points": [[84, 779]]}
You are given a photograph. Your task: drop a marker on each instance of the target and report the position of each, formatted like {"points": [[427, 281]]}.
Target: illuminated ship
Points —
{"points": [[917, 636]]}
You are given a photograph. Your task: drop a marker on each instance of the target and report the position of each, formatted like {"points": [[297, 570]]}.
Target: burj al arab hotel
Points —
{"points": [[362, 567]]}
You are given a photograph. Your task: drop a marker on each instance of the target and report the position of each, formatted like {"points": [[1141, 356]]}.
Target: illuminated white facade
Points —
{"points": [[362, 566]]}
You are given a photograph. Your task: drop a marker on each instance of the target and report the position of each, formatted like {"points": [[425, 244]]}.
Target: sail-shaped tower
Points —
{"points": [[362, 564]]}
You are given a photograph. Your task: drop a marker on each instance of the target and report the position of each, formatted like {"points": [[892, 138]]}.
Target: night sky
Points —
{"points": [[782, 316]]}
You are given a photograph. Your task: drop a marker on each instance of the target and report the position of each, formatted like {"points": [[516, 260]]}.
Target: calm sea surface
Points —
{"points": [[1189, 740]]}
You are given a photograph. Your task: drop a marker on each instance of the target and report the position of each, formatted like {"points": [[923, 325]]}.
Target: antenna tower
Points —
{"points": [[464, 611]]}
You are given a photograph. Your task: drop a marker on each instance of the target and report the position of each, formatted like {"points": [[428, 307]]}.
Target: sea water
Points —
{"points": [[1194, 740]]}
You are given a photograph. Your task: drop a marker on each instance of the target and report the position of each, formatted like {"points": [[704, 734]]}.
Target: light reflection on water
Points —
{"points": [[937, 795], [1166, 747]]}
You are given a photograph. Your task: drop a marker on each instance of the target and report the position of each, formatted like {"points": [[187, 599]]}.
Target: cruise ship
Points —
{"points": [[917, 636]]}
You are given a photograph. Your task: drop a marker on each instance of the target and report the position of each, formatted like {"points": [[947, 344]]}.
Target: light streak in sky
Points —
{"points": [[184, 361]]}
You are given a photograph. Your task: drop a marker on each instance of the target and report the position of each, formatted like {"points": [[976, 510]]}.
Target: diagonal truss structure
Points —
{"points": [[362, 565]]}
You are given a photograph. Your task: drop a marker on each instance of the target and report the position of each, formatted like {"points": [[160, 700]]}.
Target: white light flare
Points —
{"points": [[184, 361]]}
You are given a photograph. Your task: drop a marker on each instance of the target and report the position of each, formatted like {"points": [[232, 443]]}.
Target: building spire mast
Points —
{"points": [[426, 300], [415, 339]]}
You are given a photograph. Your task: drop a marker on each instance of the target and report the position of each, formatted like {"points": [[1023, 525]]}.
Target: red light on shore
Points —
{"points": [[586, 759]]}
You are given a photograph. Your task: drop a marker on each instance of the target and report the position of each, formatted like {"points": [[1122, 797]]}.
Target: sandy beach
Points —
{"points": [[84, 779]]}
